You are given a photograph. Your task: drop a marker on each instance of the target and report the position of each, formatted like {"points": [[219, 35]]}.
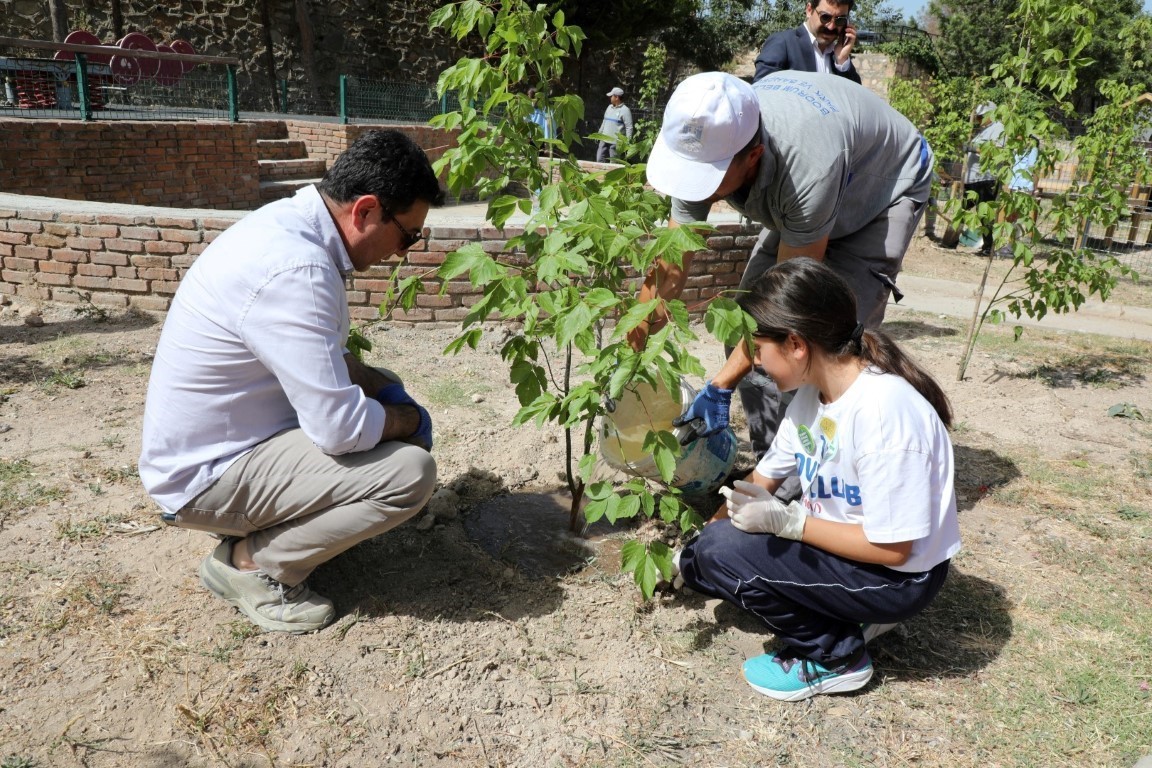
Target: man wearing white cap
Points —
{"points": [[828, 167], [617, 118]]}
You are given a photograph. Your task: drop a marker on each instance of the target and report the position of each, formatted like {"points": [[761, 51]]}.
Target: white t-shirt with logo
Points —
{"points": [[878, 456]]}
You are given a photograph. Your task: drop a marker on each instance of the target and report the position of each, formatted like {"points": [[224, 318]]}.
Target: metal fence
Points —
{"points": [[1129, 240], [100, 82]]}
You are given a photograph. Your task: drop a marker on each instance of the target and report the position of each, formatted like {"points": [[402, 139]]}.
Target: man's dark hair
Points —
{"points": [[386, 164]]}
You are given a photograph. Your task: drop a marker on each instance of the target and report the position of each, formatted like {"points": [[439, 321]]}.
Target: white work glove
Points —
{"points": [[753, 509]]}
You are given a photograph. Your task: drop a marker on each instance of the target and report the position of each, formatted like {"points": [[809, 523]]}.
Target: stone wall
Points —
{"points": [[133, 256], [313, 43]]}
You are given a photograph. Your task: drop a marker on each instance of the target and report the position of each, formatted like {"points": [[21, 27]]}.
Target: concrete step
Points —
{"points": [[272, 170], [275, 190], [281, 149], [269, 129]]}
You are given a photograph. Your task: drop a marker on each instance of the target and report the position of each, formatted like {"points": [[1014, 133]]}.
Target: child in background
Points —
{"points": [[870, 540]]}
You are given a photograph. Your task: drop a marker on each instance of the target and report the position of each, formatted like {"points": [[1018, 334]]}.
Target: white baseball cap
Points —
{"points": [[710, 117], [615, 92]]}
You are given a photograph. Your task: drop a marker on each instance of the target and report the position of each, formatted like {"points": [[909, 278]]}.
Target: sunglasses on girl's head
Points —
{"points": [[840, 21]]}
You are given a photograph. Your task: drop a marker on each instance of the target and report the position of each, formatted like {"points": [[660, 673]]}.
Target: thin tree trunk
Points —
{"points": [[58, 11], [974, 326], [269, 58], [307, 45], [117, 20]]}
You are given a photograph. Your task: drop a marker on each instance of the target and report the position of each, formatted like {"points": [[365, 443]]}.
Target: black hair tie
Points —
{"points": [[857, 332]]}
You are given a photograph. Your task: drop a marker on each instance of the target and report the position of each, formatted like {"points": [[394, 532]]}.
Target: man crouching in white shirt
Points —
{"points": [[259, 424]]}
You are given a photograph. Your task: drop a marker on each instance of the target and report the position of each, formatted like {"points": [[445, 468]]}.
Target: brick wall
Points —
{"points": [[327, 140], [131, 256], [192, 165]]}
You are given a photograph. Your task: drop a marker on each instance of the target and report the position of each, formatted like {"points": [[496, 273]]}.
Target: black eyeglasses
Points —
{"points": [[840, 21], [410, 238]]}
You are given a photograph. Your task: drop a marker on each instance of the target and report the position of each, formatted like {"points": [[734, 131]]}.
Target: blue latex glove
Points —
{"points": [[394, 394], [707, 415], [423, 434]]}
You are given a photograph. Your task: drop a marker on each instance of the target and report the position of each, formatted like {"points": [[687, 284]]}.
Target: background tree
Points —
{"points": [[1035, 86], [974, 35]]}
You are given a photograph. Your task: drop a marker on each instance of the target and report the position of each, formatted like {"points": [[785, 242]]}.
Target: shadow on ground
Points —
{"points": [[905, 330], [962, 631], [431, 575], [502, 562], [978, 470]]}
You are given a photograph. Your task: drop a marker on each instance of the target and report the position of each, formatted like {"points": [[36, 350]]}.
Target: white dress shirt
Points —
{"points": [[253, 345]]}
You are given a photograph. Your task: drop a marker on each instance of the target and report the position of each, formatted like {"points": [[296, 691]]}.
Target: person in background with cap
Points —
{"points": [[833, 171], [617, 117], [823, 43], [985, 185]]}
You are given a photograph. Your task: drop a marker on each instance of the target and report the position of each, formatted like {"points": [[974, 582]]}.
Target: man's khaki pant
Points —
{"points": [[299, 507]]}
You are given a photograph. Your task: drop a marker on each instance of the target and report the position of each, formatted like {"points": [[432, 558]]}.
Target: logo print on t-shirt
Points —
{"points": [[806, 439], [828, 433]]}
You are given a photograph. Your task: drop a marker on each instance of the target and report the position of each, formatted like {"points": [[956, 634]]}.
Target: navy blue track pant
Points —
{"points": [[812, 600]]}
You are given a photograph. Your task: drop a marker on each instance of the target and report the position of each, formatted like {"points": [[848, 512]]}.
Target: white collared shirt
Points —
{"points": [[253, 345]]}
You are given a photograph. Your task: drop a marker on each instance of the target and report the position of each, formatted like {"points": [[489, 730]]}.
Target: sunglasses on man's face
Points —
{"points": [[409, 238], [838, 21]]}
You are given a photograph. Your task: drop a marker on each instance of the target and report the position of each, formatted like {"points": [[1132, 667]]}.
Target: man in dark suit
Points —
{"points": [[823, 43]]}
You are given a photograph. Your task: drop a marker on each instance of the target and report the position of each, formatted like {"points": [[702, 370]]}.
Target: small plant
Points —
{"points": [[120, 474], [17, 761], [651, 89], [87, 308], [1131, 513], [1126, 411], [112, 441], [239, 630], [65, 379], [569, 279], [1034, 85]]}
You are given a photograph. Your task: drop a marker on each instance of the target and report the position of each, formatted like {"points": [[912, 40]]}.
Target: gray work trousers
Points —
{"points": [[300, 507], [879, 247]]}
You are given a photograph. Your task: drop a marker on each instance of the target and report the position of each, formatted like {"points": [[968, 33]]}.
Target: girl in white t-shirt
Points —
{"points": [[869, 542]]}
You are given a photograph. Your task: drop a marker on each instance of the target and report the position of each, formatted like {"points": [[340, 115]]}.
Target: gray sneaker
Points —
{"points": [[270, 605]]}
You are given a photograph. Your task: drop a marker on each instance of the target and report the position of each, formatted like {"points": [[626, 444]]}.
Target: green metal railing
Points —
{"points": [[103, 82]]}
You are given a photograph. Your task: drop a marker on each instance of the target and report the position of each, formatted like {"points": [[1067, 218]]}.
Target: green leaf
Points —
{"points": [[576, 320], [636, 560], [635, 315], [665, 450], [727, 322], [480, 266], [670, 508], [586, 466], [601, 298], [471, 337]]}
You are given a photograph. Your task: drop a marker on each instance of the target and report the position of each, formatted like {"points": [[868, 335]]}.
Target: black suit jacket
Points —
{"points": [[792, 49]]}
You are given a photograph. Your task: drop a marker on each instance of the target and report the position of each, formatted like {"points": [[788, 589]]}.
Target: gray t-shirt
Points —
{"points": [[617, 118], [835, 157], [994, 132]]}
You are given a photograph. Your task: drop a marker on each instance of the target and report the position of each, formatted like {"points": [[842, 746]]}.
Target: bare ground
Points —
{"points": [[450, 649]]}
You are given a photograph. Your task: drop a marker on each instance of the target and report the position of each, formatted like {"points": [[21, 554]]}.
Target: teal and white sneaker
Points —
{"points": [[789, 677], [873, 631]]}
